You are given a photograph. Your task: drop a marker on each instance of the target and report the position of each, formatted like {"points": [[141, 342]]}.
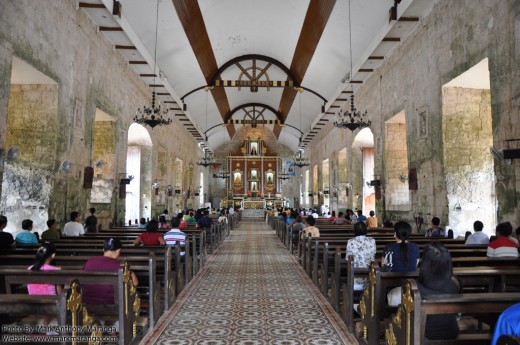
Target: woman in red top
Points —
{"points": [[152, 236]]}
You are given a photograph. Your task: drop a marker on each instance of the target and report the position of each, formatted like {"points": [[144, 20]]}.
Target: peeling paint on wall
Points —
{"points": [[25, 195]]}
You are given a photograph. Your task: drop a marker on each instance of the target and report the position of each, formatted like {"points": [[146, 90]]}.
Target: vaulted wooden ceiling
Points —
{"points": [[306, 43]]}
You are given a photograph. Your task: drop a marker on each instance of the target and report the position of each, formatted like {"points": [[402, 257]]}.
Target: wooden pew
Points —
{"points": [[126, 298], [508, 340], [144, 267], [374, 307], [407, 326], [20, 305]]}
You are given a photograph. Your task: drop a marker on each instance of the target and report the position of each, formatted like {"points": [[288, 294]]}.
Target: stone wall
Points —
{"points": [[397, 195], [61, 41], [27, 181], [453, 37], [468, 163]]}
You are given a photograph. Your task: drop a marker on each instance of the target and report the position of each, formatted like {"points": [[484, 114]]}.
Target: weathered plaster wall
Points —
{"points": [[468, 163], [62, 42], [105, 179], [455, 36], [32, 121], [397, 196]]}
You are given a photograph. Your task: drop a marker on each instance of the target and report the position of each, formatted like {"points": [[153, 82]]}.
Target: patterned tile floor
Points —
{"points": [[251, 291]]}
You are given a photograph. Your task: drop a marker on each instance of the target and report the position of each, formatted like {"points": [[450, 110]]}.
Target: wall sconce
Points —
{"points": [[169, 190], [403, 178], [457, 207], [125, 178]]}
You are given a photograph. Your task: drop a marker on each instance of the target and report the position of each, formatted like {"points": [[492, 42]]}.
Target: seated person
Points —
{"points": [[142, 224], [332, 216], [205, 222], [435, 230], [502, 246], [44, 256], [363, 250], [436, 278], [402, 256], [183, 223], [191, 219], [187, 215], [109, 262], [6, 239], [310, 230], [508, 323], [297, 229], [175, 235], [51, 233], [26, 236], [223, 218], [339, 219], [152, 236], [478, 237], [163, 223], [361, 217], [372, 220], [74, 227]]}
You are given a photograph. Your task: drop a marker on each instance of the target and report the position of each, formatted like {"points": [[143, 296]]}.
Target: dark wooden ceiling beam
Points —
{"points": [[376, 57], [137, 62], [89, 5], [190, 15], [110, 28], [316, 18], [391, 39], [123, 47], [147, 75], [408, 19]]}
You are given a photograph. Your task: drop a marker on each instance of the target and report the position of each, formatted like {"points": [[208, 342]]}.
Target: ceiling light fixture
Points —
{"points": [[299, 160], [207, 159], [353, 118], [153, 116]]}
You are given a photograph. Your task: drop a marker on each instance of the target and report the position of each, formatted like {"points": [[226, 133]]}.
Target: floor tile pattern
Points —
{"points": [[250, 292]]}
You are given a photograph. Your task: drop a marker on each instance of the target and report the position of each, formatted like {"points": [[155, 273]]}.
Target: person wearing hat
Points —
{"points": [[109, 262]]}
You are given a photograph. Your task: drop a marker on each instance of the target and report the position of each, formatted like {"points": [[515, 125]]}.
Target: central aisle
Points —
{"points": [[251, 291]]}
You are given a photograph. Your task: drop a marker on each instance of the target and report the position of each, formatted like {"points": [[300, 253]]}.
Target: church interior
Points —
{"points": [[408, 109]]}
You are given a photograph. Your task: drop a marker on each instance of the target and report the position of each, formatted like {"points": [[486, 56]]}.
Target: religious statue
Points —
{"points": [[237, 179]]}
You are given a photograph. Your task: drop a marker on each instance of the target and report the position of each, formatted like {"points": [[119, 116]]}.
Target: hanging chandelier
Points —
{"points": [[206, 160], [153, 115], [299, 160], [353, 118]]}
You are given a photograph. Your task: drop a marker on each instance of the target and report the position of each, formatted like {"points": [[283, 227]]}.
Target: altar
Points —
{"points": [[253, 203]]}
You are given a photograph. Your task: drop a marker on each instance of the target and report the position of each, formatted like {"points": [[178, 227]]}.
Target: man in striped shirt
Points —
{"points": [[174, 235], [502, 246]]}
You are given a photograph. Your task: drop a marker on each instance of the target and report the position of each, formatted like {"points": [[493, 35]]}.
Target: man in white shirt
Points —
{"points": [[166, 215], [73, 228], [478, 237], [231, 211]]}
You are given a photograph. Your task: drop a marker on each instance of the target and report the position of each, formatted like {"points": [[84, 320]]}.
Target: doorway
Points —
{"points": [[139, 169]]}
